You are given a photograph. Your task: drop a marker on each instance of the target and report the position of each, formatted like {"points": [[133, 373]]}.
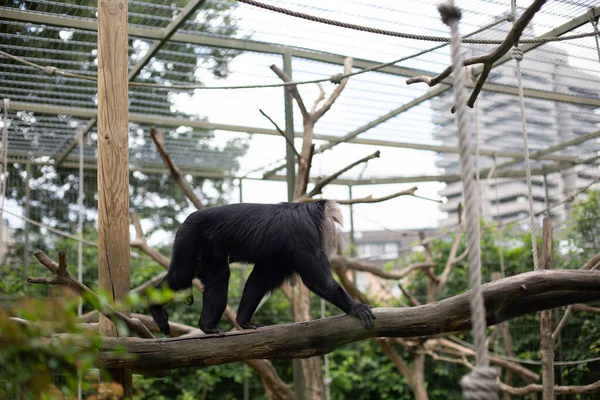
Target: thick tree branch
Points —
{"points": [[159, 141], [325, 181], [487, 60], [504, 299], [282, 133], [62, 276]]}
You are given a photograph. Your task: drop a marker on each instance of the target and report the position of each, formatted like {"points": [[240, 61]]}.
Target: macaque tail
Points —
{"points": [[161, 317]]}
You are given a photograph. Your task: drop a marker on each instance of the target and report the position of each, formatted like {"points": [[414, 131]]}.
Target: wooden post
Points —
{"points": [[546, 320], [113, 164]]}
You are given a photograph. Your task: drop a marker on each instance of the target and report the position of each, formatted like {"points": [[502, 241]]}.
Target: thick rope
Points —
{"points": [[517, 54], [404, 35], [594, 22], [481, 382], [336, 79]]}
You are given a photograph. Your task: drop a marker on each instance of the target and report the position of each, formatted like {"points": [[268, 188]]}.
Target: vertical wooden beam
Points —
{"points": [[113, 164], [546, 320]]}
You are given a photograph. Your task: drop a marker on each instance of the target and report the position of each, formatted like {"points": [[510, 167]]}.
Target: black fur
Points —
{"points": [[279, 239]]}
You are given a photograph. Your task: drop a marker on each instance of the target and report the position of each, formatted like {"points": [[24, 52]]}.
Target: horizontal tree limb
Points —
{"points": [[586, 308], [343, 262], [536, 388], [504, 299]]}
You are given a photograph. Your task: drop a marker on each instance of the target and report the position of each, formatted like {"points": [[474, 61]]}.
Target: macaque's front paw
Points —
{"points": [[364, 313]]}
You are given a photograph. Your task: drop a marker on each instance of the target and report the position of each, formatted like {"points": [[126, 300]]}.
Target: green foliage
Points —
{"points": [[31, 357]]}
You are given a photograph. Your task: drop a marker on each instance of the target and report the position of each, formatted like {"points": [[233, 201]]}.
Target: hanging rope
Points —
{"points": [[336, 79], [517, 55], [479, 384]]}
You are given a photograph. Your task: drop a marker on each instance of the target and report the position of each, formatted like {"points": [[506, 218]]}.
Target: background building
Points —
{"points": [[498, 123]]}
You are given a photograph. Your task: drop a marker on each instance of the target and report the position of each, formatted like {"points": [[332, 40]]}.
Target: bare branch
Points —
{"points": [[488, 60], [506, 298], [535, 388], [586, 308], [336, 92], [282, 133], [325, 181], [319, 99], [293, 89], [412, 299], [70, 281], [437, 287], [159, 141], [590, 264], [371, 199], [375, 270], [527, 374]]}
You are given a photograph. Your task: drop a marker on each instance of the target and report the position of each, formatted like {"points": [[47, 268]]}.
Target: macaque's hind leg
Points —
{"points": [[316, 275], [264, 277], [214, 274]]}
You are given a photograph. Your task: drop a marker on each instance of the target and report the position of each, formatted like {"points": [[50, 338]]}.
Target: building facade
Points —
{"points": [[497, 125]]}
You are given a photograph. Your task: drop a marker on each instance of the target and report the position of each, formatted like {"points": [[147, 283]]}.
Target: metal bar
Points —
{"points": [[166, 33], [290, 157], [379, 120], [551, 149], [159, 169], [27, 226], [71, 145], [175, 122], [352, 236]]}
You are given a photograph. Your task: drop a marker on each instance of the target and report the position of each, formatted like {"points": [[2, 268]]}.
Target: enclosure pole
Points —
{"points": [[80, 220], [289, 126], [291, 183], [241, 183], [113, 165], [352, 237], [3, 153], [547, 195], [546, 320], [28, 216]]}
